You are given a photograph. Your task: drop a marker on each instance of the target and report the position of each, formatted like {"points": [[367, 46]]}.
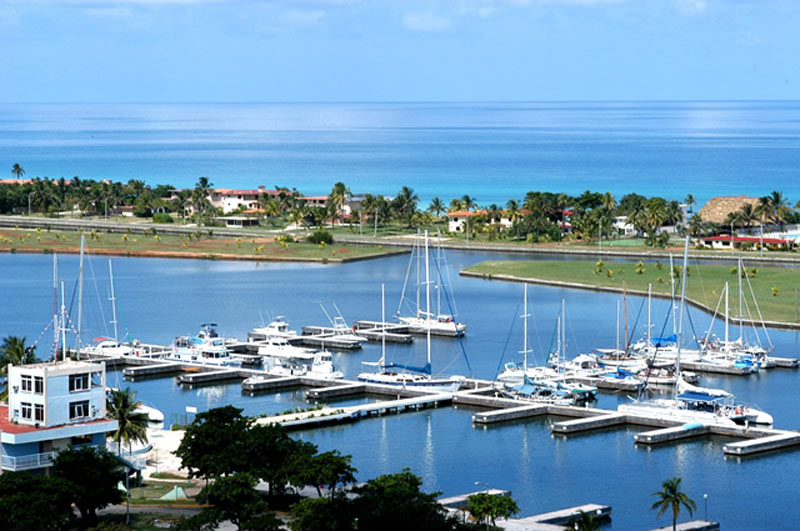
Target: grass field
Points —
{"points": [[774, 287], [255, 248]]}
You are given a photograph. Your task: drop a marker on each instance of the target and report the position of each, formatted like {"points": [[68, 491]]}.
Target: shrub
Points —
{"points": [[320, 236], [162, 217]]}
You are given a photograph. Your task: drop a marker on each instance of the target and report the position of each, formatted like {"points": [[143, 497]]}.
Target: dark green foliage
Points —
{"points": [[394, 502], [162, 217], [484, 506], [321, 236], [215, 443], [233, 498], [327, 469], [94, 475], [34, 502], [323, 514]]}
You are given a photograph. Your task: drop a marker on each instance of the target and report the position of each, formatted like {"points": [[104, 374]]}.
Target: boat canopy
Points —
{"points": [[661, 341], [424, 370], [699, 397]]}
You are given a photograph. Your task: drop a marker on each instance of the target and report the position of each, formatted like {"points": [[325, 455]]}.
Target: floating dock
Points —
{"points": [[253, 385], [327, 337], [206, 377], [701, 366], [673, 433], [785, 363], [556, 520], [595, 422], [376, 331], [775, 441], [336, 391], [153, 369], [694, 525]]}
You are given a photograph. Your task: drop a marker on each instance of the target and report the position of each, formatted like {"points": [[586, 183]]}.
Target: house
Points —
{"points": [[456, 221], [726, 241], [240, 221], [50, 407], [623, 226]]}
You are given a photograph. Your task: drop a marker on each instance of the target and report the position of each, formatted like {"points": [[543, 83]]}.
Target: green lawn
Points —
{"points": [[704, 284], [258, 248]]}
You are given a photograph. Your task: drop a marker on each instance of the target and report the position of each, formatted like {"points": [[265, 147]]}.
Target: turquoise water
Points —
{"points": [[162, 298], [491, 151]]}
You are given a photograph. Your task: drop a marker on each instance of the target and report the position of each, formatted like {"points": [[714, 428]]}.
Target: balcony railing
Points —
{"points": [[27, 462]]}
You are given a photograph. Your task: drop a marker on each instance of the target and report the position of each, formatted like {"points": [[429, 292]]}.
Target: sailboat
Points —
{"points": [[111, 346], [691, 403], [441, 324], [413, 377]]}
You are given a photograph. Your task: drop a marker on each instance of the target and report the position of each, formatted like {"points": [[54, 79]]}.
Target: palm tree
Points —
{"points": [[690, 201], [747, 215], [456, 205], [609, 203], [468, 202], [17, 171], [131, 425], [780, 208], [336, 200], [670, 496], [436, 207], [14, 352], [406, 203]]}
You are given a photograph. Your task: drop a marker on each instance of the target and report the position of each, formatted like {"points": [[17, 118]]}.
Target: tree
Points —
{"points": [[131, 425], [584, 522], [484, 506], [233, 498], [94, 474], [670, 496], [329, 468], [274, 457], [394, 502], [468, 202], [323, 514], [34, 502], [437, 207], [690, 201], [17, 171], [215, 443], [405, 204], [336, 200], [14, 352], [200, 202]]}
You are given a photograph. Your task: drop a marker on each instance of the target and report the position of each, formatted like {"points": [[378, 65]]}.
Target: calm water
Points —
{"points": [[493, 152], [161, 298]]}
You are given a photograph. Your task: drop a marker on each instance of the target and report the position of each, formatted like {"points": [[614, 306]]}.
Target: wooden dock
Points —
{"points": [[785, 363], [336, 391]]}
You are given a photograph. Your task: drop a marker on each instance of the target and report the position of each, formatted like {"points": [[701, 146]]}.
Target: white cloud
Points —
{"points": [[426, 21]]}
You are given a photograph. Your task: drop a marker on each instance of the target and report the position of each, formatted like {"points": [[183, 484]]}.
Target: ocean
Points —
{"points": [[490, 151]]}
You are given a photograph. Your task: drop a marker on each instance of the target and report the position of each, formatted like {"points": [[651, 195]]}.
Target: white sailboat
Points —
{"points": [[423, 321], [111, 346], [691, 403], [413, 377]]}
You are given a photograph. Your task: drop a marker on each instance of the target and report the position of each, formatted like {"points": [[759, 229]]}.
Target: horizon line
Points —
{"points": [[387, 102]]}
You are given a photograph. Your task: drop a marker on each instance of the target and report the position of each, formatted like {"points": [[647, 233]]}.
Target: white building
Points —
{"points": [[50, 407]]}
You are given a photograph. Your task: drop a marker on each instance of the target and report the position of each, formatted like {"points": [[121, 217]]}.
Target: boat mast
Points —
{"points": [[439, 279], [80, 296], [741, 313], [419, 307], [562, 354], [55, 306], [727, 310], [525, 329], [63, 325], [672, 293], [649, 320], [428, 298], [617, 327], [113, 300], [680, 324], [625, 305], [383, 324]]}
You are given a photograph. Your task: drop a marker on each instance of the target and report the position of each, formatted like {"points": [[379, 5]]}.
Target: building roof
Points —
{"points": [[718, 208], [466, 213], [6, 426], [313, 198], [744, 239]]}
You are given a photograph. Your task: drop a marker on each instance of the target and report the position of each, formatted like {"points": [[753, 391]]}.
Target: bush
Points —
{"points": [[162, 217], [321, 236]]}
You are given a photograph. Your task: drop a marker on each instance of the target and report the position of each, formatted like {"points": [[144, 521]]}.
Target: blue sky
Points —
{"points": [[401, 50]]}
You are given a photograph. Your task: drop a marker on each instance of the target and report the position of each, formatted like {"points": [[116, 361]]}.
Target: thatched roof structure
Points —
{"points": [[718, 208]]}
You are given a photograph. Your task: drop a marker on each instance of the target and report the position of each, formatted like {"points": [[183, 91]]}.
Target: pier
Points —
{"points": [[595, 422], [700, 366], [153, 369], [377, 331], [327, 337], [670, 434], [256, 385], [205, 377]]}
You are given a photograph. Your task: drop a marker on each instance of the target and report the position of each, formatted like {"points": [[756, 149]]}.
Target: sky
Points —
{"points": [[397, 50]]}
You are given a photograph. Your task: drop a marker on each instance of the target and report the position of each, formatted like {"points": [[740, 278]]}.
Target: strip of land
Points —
{"points": [[197, 245], [775, 288]]}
